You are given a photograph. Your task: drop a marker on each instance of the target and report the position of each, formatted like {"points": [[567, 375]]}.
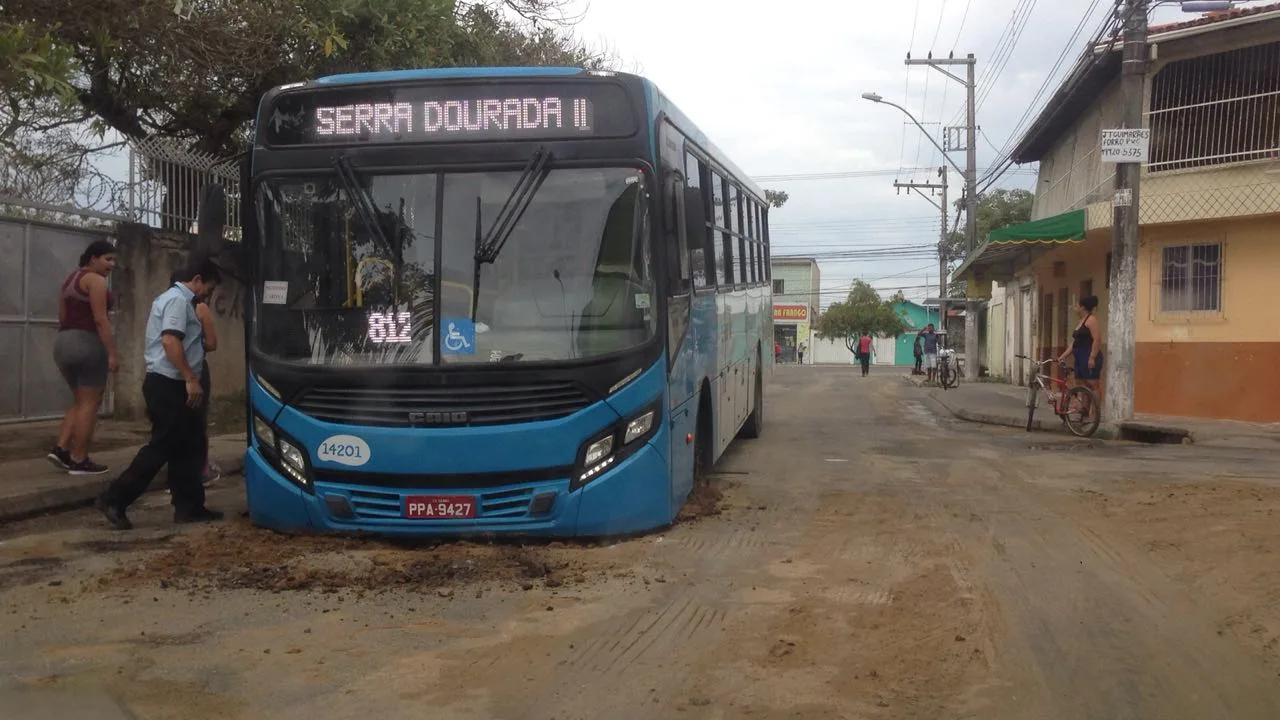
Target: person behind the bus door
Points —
{"points": [[174, 354], [85, 353]]}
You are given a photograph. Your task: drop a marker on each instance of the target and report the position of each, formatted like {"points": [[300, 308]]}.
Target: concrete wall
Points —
{"points": [[146, 259], [1211, 364]]}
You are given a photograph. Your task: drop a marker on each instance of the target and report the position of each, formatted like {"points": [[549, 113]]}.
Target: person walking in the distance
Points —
{"points": [[929, 339], [174, 355], [864, 352]]}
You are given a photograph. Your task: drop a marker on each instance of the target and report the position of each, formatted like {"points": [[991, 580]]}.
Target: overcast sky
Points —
{"points": [[780, 93]]}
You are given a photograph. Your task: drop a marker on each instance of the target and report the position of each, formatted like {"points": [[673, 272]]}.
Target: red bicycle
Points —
{"points": [[1077, 406]]}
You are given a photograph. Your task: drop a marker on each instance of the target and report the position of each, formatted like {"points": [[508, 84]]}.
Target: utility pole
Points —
{"points": [[1122, 306], [941, 185], [970, 143]]}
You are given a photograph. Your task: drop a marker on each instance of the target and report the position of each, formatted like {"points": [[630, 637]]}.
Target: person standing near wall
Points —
{"points": [[800, 351], [85, 354], [1086, 345], [175, 356]]}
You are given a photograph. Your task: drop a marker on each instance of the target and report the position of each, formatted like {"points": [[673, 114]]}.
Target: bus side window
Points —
{"points": [[676, 234]]}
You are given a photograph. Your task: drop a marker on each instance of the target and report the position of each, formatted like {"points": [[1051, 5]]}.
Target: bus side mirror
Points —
{"points": [[211, 219]]}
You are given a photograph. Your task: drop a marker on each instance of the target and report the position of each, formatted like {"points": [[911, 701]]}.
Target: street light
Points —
{"points": [[876, 98]]}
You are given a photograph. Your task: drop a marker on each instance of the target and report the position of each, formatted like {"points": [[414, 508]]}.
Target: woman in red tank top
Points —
{"points": [[85, 353]]}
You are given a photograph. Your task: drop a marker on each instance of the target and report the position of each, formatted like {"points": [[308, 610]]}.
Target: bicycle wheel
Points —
{"points": [[1032, 396], [1082, 413], [947, 377]]}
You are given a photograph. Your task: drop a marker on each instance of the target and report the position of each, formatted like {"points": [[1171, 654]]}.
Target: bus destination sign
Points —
{"points": [[449, 113]]}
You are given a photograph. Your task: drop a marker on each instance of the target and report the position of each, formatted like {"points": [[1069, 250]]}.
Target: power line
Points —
{"points": [[906, 87], [850, 174], [963, 18], [1004, 159]]}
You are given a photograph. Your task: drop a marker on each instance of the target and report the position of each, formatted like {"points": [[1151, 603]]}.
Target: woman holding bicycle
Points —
{"points": [[1086, 344]]}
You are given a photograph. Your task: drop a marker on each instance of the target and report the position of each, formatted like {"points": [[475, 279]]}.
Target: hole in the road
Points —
{"points": [[1154, 435]]}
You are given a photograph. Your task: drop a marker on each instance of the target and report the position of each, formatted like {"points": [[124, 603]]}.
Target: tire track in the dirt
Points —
{"points": [[626, 643], [1086, 617]]}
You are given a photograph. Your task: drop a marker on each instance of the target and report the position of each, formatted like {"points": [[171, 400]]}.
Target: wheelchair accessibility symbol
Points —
{"points": [[459, 337]]}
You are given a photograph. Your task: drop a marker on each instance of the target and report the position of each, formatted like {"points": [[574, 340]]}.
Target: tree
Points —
{"points": [[996, 209], [139, 68], [776, 198], [863, 311]]}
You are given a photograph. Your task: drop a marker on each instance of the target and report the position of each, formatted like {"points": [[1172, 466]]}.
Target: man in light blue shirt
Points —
{"points": [[174, 357]]}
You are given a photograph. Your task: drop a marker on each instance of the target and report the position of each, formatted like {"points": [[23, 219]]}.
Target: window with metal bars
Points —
{"points": [[1191, 278], [1216, 109]]}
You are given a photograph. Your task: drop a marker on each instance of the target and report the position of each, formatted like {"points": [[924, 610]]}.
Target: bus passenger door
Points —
{"points": [[680, 347]]}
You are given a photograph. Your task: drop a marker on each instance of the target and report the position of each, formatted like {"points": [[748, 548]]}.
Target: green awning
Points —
{"points": [[1066, 227], [1016, 245]]}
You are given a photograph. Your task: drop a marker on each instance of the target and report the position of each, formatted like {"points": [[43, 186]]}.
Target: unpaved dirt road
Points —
{"points": [[868, 559]]}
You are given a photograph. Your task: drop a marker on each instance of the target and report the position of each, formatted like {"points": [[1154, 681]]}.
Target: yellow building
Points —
{"points": [[1208, 320]]}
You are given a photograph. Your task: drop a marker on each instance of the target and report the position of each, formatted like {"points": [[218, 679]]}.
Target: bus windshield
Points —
{"points": [[573, 278]]}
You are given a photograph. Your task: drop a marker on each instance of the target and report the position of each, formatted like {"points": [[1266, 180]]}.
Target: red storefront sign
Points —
{"points": [[791, 312]]}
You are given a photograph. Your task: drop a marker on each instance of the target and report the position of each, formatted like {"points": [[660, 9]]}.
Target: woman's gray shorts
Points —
{"points": [[81, 358]]}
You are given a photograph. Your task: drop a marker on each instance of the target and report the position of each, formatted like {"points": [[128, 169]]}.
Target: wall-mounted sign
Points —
{"points": [[791, 312], [1125, 145]]}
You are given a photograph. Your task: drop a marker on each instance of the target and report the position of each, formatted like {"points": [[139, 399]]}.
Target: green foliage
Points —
{"points": [[196, 70], [996, 209], [33, 64], [863, 311], [776, 198]]}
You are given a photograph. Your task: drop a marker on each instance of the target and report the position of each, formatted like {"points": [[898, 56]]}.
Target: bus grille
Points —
{"points": [[514, 503], [431, 407]]}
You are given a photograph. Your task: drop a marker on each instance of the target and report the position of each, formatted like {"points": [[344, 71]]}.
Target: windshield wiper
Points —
{"points": [[534, 174], [367, 210], [489, 245]]}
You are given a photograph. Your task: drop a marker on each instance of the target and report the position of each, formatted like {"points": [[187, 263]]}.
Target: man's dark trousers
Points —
{"points": [[177, 439]]}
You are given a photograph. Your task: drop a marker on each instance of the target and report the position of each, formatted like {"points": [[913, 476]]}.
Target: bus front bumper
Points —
{"points": [[633, 496]]}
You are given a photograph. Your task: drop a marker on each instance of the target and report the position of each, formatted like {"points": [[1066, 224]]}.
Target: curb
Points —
{"points": [[1039, 423], [80, 491]]}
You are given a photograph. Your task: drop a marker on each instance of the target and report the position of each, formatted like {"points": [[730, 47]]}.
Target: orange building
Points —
{"points": [[1207, 325]]}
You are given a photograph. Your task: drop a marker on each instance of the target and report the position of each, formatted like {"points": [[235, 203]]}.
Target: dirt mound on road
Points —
{"points": [[241, 556]]}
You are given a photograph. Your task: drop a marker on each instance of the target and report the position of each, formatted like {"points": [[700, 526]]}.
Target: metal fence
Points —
{"points": [[166, 179], [38, 255]]}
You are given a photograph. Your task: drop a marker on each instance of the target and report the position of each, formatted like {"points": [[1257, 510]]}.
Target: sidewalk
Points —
{"points": [[33, 485], [1001, 404]]}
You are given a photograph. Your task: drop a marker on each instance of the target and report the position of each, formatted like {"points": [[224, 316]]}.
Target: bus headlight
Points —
{"points": [[266, 436], [282, 452], [293, 461], [638, 428], [613, 445], [598, 451]]}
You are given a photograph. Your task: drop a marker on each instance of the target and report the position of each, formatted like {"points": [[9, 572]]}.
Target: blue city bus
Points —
{"points": [[495, 300]]}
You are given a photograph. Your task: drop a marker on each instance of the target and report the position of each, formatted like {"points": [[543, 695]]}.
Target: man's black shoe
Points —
{"points": [[114, 515], [195, 516]]}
